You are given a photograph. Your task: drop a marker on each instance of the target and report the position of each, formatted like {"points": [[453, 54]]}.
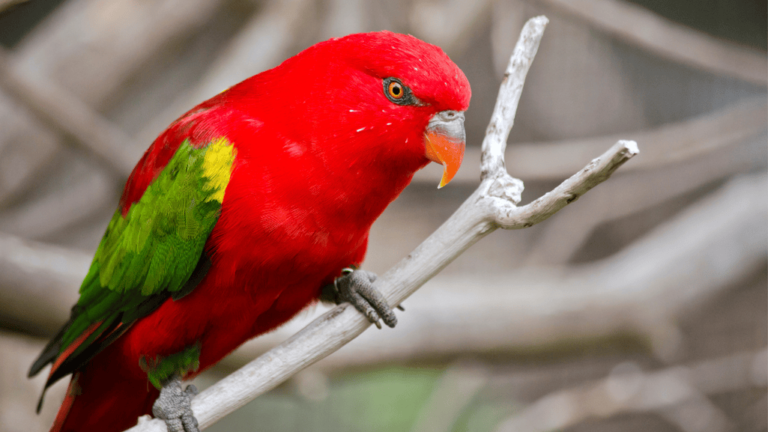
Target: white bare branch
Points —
{"points": [[503, 117], [490, 207]]}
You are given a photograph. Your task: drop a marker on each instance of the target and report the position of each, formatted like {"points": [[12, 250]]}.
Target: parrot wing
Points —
{"points": [[153, 249]]}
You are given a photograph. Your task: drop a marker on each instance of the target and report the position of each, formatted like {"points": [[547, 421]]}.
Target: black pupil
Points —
{"points": [[396, 90]]}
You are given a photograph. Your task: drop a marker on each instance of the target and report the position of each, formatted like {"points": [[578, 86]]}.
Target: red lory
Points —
{"points": [[247, 209]]}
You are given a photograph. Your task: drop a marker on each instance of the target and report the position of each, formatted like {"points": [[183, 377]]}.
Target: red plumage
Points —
{"points": [[321, 152]]}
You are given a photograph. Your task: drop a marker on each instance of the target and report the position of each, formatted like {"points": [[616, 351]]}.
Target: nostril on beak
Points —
{"points": [[450, 123], [449, 115]]}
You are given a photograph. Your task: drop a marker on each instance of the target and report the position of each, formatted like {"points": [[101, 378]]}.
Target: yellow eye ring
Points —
{"points": [[395, 90]]}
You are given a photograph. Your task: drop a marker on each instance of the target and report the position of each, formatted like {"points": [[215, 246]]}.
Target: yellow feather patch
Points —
{"points": [[217, 167]]}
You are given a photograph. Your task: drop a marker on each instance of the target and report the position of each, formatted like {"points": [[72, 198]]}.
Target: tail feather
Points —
{"points": [[100, 399], [53, 347], [69, 399], [49, 354]]}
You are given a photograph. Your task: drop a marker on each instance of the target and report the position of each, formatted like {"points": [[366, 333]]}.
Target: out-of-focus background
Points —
{"points": [[640, 307]]}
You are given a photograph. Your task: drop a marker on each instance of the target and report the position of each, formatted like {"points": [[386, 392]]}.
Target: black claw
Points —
{"points": [[357, 288], [401, 307], [191, 390], [189, 422]]}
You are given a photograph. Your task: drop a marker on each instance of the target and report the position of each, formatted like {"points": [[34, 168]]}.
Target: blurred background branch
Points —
{"points": [[68, 116], [678, 393], [7, 4], [662, 37]]}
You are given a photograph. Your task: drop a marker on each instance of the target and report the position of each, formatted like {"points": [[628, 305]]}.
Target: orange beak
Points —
{"points": [[444, 141]]}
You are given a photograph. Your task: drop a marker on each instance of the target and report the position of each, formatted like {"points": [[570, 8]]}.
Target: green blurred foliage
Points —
{"points": [[384, 400]]}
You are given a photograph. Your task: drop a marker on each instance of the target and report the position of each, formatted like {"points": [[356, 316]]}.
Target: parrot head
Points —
{"points": [[380, 98], [420, 92]]}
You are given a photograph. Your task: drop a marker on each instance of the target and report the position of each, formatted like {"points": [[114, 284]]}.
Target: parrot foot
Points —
{"points": [[356, 287], [174, 406]]}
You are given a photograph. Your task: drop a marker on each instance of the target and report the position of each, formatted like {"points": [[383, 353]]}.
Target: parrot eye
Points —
{"points": [[395, 90], [397, 93]]}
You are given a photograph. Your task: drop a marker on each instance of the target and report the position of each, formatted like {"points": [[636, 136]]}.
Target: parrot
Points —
{"points": [[247, 209]]}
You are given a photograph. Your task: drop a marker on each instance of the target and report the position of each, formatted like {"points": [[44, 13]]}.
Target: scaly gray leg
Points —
{"points": [[174, 406]]}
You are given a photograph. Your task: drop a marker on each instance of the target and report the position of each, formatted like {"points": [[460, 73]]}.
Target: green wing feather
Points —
{"points": [[147, 255]]}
